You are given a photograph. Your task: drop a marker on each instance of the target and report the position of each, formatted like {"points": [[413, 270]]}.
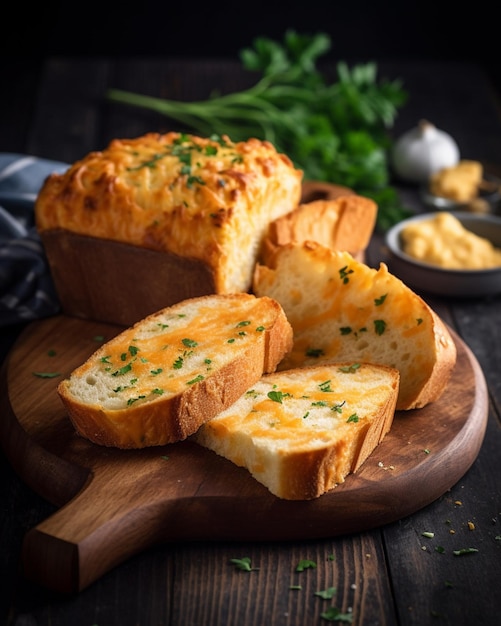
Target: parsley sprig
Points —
{"points": [[334, 130]]}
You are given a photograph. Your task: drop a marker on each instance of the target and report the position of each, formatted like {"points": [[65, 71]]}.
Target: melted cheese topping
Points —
{"points": [[199, 198], [303, 410], [168, 354], [343, 310]]}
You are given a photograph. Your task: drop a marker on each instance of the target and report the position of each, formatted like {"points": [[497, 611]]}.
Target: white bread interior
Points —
{"points": [[159, 380], [343, 310], [301, 432]]}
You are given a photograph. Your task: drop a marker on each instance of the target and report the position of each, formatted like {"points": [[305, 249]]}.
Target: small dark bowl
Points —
{"points": [[446, 282]]}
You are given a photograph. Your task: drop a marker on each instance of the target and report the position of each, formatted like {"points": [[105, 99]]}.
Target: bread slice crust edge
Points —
{"points": [[163, 420]]}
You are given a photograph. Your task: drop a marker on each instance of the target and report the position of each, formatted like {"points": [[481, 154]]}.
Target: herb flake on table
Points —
{"points": [[326, 594], [305, 564], [333, 614], [243, 564], [46, 374]]}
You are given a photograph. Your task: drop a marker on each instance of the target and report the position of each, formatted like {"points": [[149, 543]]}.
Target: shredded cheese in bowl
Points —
{"points": [[443, 241]]}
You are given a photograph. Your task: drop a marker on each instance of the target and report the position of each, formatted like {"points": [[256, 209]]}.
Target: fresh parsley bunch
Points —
{"points": [[334, 131]]}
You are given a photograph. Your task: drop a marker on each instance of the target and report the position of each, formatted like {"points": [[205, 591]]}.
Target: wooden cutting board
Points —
{"points": [[114, 503]]}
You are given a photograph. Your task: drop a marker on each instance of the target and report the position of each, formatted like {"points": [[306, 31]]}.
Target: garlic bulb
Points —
{"points": [[422, 151]]}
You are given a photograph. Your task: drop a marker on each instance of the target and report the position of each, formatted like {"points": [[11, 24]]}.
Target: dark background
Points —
{"points": [[360, 31]]}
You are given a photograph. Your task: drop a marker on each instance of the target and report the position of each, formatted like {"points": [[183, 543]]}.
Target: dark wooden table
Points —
{"points": [[387, 576]]}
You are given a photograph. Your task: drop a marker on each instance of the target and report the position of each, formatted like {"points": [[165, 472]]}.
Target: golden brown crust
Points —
{"points": [[343, 223], [118, 283], [320, 470], [193, 197], [445, 361], [162, 419]]}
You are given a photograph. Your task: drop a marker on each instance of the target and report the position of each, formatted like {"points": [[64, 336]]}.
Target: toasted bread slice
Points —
{"points": [[301, 432], [159, 380], [341, 309]]}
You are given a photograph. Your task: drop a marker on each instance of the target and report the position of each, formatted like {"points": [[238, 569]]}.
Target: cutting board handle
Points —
{"points": [[93, 532]]}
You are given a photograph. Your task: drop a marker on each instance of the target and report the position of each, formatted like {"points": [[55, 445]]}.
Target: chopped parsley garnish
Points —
{"points": [[379, 301], [379, 326], [305, 564], [314, 352], [344, 273], [46, 374], [464, 551], [151, 163], [326, 594], [338, 408], [243, 564], [131, 401], [349, 369], [123, 370], [194, 179], [277, 396], [190, 343], [333, 614], [197, 379], [353, 418], [325, 386]]}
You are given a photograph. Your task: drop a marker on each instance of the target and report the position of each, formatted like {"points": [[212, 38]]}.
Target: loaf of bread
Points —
{"points": [[208, 200], [159, 380], [301, 432], [343, 310], [345, 222]]}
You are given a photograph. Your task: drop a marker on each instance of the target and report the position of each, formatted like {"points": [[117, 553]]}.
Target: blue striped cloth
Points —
{"points": [[26, 288]]}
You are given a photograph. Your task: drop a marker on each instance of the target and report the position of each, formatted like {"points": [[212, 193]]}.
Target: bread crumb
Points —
{"points": [[471, 526], [385, 467], [458, 503]]}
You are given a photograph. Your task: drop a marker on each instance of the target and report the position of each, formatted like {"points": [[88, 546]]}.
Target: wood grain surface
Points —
{"points": [[114, 503]]}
